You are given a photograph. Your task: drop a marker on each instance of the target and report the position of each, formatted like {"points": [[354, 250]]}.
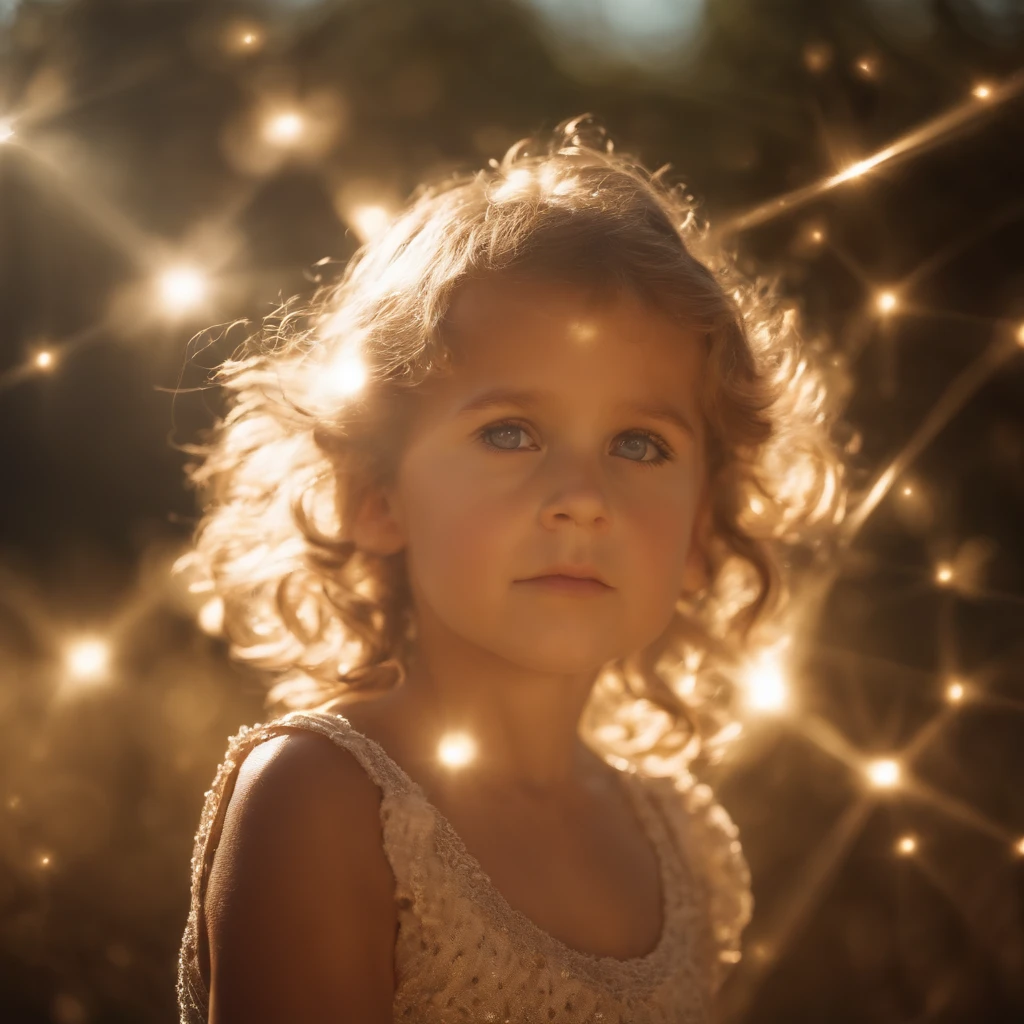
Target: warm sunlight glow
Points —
{"points": [[883, 774], [1020, 335], [944, 574], [44, 360], [456, 750], [6, 131], [868, 67], [347, 376], [765, 684], [1019, 847], [284, 129], [87, 661], [369, 220], [907, 845], [182, 288], [886, 302], [982, 91], [955, 692], [211, 616], [817, 57]]}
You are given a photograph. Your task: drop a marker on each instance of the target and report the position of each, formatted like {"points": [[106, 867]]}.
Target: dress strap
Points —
{"points": [[193, 961]]}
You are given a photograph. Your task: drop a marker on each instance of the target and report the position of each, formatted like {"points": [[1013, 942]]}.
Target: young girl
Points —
{"points": [[503, 509]]}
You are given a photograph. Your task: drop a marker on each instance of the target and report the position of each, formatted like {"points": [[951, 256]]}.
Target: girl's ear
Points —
{"points": [[377, 526], [697, 571]]}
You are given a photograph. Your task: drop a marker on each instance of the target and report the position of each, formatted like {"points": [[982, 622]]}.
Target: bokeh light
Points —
{"points": [[285, 128], [765, 685], [182, 288], [906, 845], [883, 773], [87, 659], [886, 302], [456, 750]]}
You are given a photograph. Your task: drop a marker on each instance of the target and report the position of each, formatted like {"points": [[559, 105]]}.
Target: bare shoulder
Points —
{"points": [[299, 908]]}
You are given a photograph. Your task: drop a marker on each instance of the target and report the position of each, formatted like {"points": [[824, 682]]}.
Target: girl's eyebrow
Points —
{"points": [[526, 399]]}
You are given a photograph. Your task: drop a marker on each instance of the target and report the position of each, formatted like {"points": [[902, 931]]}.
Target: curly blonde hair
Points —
{"points": [[319, 412]]}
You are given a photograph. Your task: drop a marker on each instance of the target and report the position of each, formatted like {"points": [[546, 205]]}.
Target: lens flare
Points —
{"points": [[884, 773], [285, 129], [87, 660], [182, 288], [886, 302], [765, 684], [456, 750]]}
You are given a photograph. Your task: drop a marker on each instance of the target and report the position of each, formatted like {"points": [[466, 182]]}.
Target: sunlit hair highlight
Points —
{"points": [[318, 413]]}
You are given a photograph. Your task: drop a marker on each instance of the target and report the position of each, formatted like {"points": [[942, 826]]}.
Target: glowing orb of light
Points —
{"points": [[44, 360], [87, 660], [944, 574], [817, 56], [765, 684], [342, 379], [884, 773], [907, 845], [982, 91], [1019, 847], [182, 288], [867, 66], [886, 302], [1020, 335], [955, 692], [6, 131], [285, 128], [347, 376], [456, 750], [908, 491], [369, 220], [211, 616]]}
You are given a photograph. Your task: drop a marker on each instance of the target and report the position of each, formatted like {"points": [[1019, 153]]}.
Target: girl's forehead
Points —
{"points": [[516, 325], [570, 341]]}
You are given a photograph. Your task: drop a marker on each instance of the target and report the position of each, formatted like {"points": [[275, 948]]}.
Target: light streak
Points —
{"points": [[953, 399], [931, 132]]}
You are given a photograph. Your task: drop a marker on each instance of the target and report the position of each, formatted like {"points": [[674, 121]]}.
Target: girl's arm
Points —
{"points": [[299, 908]]}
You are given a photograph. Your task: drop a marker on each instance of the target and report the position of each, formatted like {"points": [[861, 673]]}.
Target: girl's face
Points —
{"points": [[488, 496]]}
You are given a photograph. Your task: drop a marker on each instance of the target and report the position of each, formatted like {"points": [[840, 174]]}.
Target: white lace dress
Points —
{"points": [[464, 954]]}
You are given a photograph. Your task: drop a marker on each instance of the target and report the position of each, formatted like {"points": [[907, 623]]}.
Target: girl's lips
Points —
{"points": [[568, 584]]}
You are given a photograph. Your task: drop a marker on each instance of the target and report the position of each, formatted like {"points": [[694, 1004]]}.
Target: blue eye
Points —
{"points": [[648, 436]]}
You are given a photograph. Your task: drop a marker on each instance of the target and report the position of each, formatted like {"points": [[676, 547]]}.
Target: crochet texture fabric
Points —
{"points": [[464, 954]]}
